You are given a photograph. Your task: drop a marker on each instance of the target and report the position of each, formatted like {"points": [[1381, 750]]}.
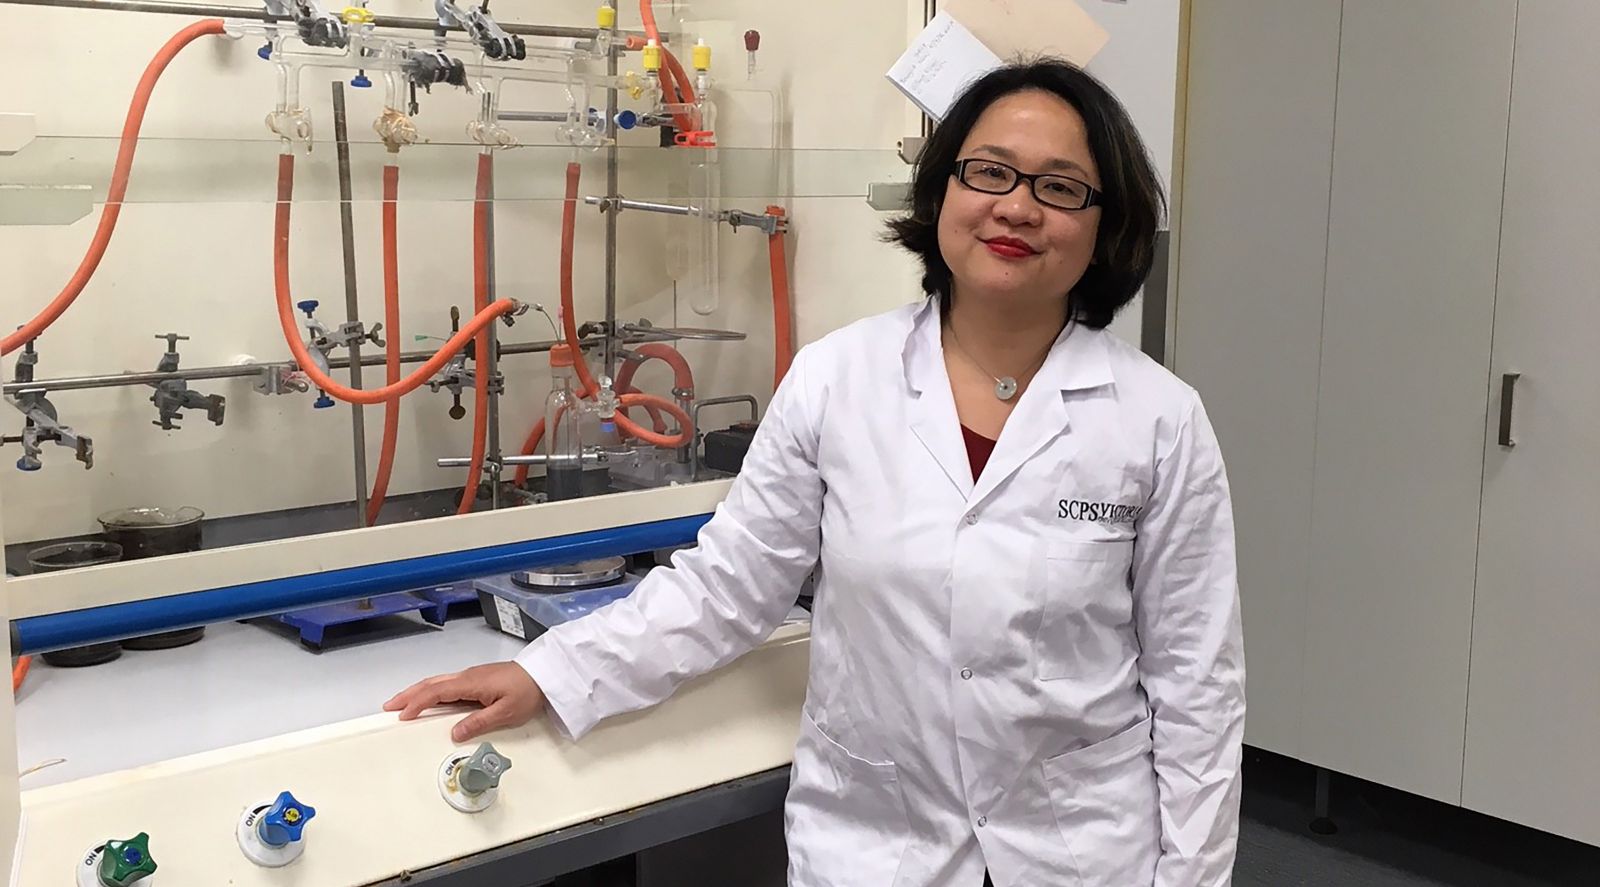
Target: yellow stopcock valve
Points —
{"points": [[606, 17], [634, 85], [652, 56], [356, 15], [702, 56]]}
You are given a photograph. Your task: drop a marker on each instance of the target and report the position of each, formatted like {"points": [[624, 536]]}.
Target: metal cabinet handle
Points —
{"points": [[1508, 403]]}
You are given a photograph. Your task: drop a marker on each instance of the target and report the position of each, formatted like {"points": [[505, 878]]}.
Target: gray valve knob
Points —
{"points": [[482, 771]]}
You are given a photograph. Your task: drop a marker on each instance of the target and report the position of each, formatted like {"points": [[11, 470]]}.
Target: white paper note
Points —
{"points": [[943, 60]]}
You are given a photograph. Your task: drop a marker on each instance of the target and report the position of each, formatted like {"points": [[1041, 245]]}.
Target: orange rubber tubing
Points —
{"points": [[587, 387], [782, 322], [682, 376], [480, 300], [391, 320], [291, 335], [19, 672], [656, 422], [569, 323], [628, 427], [529, 447], [675, 83], [685, 89], [647, 12], [118, 189]]}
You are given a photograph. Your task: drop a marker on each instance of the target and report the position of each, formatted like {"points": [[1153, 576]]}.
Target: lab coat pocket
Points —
{"points": [[1107, 808], [1085, 627], [846, 817]]}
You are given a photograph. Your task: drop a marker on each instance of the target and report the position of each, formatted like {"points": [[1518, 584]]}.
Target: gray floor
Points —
{"points": [[1386, 839]]}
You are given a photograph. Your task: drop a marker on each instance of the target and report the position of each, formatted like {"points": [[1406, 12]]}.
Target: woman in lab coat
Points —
{"points": [[1026, 651]]}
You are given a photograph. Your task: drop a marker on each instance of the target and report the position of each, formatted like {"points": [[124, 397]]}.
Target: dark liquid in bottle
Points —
{"points": [[563, 483]]}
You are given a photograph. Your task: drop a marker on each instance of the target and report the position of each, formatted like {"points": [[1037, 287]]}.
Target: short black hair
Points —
{"points": [[1133, 203]]}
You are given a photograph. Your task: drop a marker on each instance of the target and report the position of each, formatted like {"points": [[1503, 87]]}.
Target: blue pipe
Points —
{"points": [[57, 631]]}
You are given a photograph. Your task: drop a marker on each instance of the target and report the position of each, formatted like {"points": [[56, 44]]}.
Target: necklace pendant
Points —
{"points": [[1005, 388]]}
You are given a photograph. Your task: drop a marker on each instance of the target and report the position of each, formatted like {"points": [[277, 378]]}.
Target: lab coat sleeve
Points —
{"points": [[1192, 656], [717, 601]]}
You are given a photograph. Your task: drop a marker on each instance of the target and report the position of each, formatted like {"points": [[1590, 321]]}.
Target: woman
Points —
{"points": [[1026, 652]]}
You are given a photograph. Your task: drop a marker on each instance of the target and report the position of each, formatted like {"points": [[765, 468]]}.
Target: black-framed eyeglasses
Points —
{"points": [[1058, 191]]}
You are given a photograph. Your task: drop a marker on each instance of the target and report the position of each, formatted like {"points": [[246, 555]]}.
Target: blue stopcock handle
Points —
{"points": [[23, 465], [265, 52], [284, 821], [360, 81], [323, 402], [307, 306], [627, 120]]}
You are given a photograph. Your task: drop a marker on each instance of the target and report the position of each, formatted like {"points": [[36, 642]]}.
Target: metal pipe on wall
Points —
{"points": [[612, 158], [211, 10], [491, 361], [352, 305], [245, 371]]}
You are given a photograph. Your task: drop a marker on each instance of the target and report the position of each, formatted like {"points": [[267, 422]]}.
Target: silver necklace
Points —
{"points": [[1005, 387]]}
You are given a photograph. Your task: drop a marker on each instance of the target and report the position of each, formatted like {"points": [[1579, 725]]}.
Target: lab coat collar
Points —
{"points": [[1078, 361]]}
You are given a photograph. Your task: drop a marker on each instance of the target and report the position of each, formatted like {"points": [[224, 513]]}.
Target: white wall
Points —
{"points": [[194, 255]]}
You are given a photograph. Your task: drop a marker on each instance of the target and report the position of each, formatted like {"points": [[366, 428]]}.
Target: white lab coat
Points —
{"points": [[1041, 672]]}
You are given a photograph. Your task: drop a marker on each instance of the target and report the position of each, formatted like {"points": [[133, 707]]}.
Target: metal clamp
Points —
{"points": [[41, 426], [280, 379], [40, 423], [495, 42], [736, 218], [770, 224], [315, 25], [172, 396]]}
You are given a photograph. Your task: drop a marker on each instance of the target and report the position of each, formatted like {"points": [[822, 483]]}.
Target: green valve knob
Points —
{"points": [[482, 771], [126, 862]]}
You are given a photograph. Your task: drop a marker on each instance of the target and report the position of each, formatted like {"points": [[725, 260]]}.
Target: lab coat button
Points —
{"points": [[983, 821], [966, 674], [972, 519]]}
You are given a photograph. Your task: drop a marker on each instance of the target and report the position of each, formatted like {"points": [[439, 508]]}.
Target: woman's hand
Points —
{"points": [[509, 697]]}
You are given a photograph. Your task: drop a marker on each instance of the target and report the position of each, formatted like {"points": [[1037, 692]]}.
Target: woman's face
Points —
{"points": [[1011, 248]]}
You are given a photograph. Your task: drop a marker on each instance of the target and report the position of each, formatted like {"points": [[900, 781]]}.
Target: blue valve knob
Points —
{"points": [[360, 81], [627, 120], [323, 402], [23, 465], [265, 52], [284, 820], [307, 306]]}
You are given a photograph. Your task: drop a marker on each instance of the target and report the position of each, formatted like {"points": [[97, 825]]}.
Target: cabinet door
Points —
{"points": [[1253, 232], [1418, 163], [1533, 724]]}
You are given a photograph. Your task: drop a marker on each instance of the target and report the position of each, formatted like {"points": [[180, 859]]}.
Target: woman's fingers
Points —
{"points": [[509, 696], [400, 700], [479, 723], [452, 688]]}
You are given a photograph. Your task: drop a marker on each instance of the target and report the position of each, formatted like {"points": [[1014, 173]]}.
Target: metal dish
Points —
{"points": [[566, 577]]}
